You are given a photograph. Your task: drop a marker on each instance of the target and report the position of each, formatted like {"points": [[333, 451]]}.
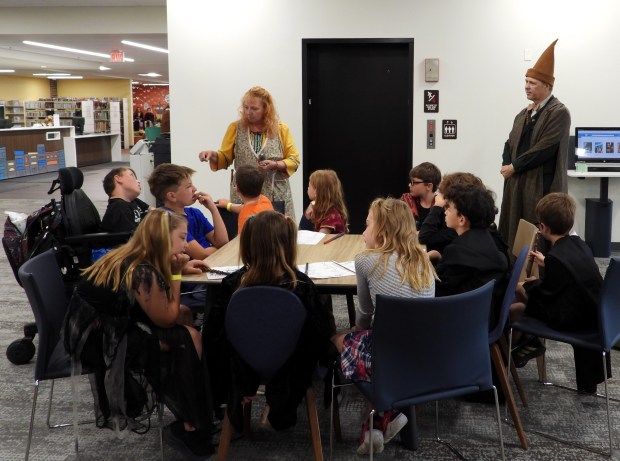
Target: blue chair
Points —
{"points": [[430, 349], [499, 346], [263, 325], [601, 339], [42, 280]]}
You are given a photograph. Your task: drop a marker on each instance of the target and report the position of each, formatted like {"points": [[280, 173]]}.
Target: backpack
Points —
{"points": [[44, 230]]}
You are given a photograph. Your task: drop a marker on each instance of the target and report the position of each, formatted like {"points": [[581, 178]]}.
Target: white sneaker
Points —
{"points": [[377, 442], [394, 426]]}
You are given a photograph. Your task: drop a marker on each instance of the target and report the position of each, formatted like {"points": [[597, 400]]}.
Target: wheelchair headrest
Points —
{"points": [[70, 179]]}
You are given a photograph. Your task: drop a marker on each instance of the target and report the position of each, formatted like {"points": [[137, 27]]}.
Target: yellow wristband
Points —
{"points": [[175, 277], [229, 206]]}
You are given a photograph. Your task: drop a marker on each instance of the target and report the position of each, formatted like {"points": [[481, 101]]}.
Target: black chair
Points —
{"points": [[231, 222], [279, 206], [601, 339], [444, 344], [499, 348], [42, 280], [263, 325]]}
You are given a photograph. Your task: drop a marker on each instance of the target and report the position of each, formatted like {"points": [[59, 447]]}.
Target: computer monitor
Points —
{"points": [[5, 123], [1, 111], [78, 123], [598, 146]]}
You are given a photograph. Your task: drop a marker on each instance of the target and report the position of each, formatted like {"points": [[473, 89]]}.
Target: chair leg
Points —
{"points": [[542, 368], [225, 437], [499, 424], [370, 435], [34, 406], [611, 449], [313, 420], [513, 370], [247, 420], [498, 363], [351, 309], [160, 418]]}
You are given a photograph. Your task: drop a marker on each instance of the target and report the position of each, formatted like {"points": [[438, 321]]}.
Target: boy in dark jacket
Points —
{"points": [[567, 297]]}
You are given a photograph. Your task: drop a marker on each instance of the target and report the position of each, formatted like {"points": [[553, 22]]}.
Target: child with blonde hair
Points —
{"points": [[394, 263], [327, 210]]}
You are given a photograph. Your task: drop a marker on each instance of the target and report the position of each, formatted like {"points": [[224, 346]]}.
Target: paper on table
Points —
{"points": [[329, 269], [217, 276], [305, 237]]}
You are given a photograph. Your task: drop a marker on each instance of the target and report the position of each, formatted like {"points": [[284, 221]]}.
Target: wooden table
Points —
{"points": [[342, 249]]}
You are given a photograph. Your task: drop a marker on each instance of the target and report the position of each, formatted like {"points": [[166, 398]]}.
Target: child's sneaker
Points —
{"points": [[374, 436], [392, 422]]}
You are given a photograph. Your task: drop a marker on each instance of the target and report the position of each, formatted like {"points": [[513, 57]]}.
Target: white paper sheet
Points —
{"points": [[328, 269], [305, 237], [227, 269]]}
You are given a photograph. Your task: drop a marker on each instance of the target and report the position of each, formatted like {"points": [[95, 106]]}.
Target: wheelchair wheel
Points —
{"points": [[20, 351]]}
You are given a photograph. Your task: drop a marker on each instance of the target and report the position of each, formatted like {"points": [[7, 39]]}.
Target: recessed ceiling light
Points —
{"points": [[72, 50], [146, 47], [134, 82], [150, 74], [60, 77], [7, 71], [48, 75], [104, 68], [155, 84]]}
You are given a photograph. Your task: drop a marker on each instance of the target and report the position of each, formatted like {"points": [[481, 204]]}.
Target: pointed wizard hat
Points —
{"points": [[543, 69]]}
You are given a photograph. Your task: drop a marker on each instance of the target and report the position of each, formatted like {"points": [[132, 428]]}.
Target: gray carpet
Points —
{"points": [[470, 427]]}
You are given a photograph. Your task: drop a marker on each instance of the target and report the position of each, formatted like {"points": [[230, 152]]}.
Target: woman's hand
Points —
{"points": [[208, 156], [268, 165], [178, 262]]}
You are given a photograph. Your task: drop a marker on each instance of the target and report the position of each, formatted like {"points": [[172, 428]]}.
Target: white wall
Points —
{"points": [[220, 49]]}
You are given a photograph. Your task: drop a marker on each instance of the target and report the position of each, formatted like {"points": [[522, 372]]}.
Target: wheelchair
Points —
{"points": [[71, 228]]}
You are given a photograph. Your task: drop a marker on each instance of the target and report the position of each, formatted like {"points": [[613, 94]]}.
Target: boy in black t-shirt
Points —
{"points": [[125, 210]]}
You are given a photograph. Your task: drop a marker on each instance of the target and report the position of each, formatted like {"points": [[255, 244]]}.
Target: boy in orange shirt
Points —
{"points": [[248, 183]]}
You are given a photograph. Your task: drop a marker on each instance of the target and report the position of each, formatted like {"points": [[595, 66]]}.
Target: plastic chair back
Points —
{"points": [[509, 296], [81, 215], [429, 348], [279, 206], [609, 307], [42, 280], [263, 324], [231, 222]]}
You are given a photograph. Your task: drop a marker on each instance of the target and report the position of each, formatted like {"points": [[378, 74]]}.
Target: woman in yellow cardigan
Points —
{"points": [[259, 138]]}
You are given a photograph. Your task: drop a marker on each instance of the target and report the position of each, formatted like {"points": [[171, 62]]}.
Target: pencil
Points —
{"points": [[333, 238]]}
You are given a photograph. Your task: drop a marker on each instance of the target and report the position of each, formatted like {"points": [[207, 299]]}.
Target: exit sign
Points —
{"points": [[117, 56]]}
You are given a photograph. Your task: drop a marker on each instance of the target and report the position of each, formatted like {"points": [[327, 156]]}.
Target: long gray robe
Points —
{"points": [[524, 189]]}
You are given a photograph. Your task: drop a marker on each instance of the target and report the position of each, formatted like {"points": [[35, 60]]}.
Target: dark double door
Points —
{"points": [[358, 117]]}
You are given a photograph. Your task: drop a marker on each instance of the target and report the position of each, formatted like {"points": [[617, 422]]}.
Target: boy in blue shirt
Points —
{"points": [[172, 185]]}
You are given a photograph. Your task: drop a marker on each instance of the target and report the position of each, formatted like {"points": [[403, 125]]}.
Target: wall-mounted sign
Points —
{"points": [[431, 100], [448, 129], [117, 56]]}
